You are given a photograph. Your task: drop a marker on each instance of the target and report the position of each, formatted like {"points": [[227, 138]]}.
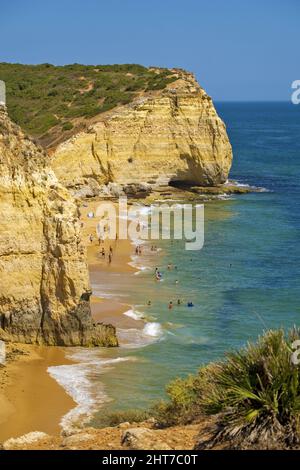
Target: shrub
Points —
{"points": [[254, 393], [257, 392], [115, 418], [67, 126], [36, 91], [182, 406]]}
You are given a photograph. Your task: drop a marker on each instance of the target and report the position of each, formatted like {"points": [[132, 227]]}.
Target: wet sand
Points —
{"points": [[31, 400], [107, 310]]}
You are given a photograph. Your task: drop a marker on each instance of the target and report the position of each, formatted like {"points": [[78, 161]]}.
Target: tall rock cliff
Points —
{"points": [[171, 135], [44, 287]]}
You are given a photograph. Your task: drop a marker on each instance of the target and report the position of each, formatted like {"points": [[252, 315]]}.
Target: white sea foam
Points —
{"points": [[245, 185], [108, 295], [137, 338], [153, 329], [144, 210], [134, 314], [136, 262], [79, 382]]}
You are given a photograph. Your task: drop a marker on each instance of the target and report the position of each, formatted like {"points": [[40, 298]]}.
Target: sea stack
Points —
{"points": [[168, 136], [44, 285]]}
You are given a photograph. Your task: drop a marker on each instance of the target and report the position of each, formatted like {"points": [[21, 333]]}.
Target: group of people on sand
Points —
{"points": [[102, 252], [138, 250], [110, 254]]}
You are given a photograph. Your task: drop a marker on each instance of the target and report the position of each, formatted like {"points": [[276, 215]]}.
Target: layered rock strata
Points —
{"points": [[168, 136], [44, 285]]}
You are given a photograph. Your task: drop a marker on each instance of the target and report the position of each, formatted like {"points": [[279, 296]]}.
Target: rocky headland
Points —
{"points": [[44, 285], [166, 137]]}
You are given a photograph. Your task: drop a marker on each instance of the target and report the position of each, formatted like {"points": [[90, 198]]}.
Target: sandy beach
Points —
{"points": [[31, 400]]}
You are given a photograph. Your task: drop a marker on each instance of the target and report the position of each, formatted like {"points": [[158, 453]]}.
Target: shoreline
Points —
{"points": [[30, 398], [107, 310]]}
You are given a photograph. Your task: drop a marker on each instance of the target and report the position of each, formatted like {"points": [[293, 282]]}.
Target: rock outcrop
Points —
{"points": [[30, 438], [169, 136], [44, 286], [143, 439], [123, 437]]}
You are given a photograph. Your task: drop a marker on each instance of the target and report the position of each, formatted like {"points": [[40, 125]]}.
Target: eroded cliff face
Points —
{"points": [[44, 287], [172, 135]]}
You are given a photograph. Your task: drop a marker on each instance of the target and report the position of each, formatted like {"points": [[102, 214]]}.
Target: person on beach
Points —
{"points": [[136, 250], [109, 258], [140, 249], [91, 238], [103, 253], [110, 250], [99, 240], [170, 306]]}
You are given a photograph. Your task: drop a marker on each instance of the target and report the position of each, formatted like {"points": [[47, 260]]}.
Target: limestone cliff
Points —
{"points": [[44, 288], [171, 135]]}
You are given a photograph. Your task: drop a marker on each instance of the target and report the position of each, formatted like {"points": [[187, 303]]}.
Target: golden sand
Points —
{"points": [[30, 400]]}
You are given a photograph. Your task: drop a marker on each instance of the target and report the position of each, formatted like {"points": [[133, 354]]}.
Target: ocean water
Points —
{"points": [[243, 281]]}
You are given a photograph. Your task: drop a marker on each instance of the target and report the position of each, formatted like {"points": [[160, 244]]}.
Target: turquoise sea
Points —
{"points": [[244, 280]]}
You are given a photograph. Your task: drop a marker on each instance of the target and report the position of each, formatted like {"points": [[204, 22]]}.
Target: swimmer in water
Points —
{"points": [[170, 305]]}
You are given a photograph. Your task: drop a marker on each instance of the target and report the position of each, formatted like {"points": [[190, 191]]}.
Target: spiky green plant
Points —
{"points": [[256, 392], [254, 395]]}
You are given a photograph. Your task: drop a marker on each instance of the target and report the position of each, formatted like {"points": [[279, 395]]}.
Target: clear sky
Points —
{"points": [[238, 49]]}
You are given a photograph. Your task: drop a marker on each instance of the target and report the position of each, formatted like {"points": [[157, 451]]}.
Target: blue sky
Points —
{"points": [[238, 49]]}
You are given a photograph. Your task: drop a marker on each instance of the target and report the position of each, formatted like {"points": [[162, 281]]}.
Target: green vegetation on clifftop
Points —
{"points": [[40, 97]]}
